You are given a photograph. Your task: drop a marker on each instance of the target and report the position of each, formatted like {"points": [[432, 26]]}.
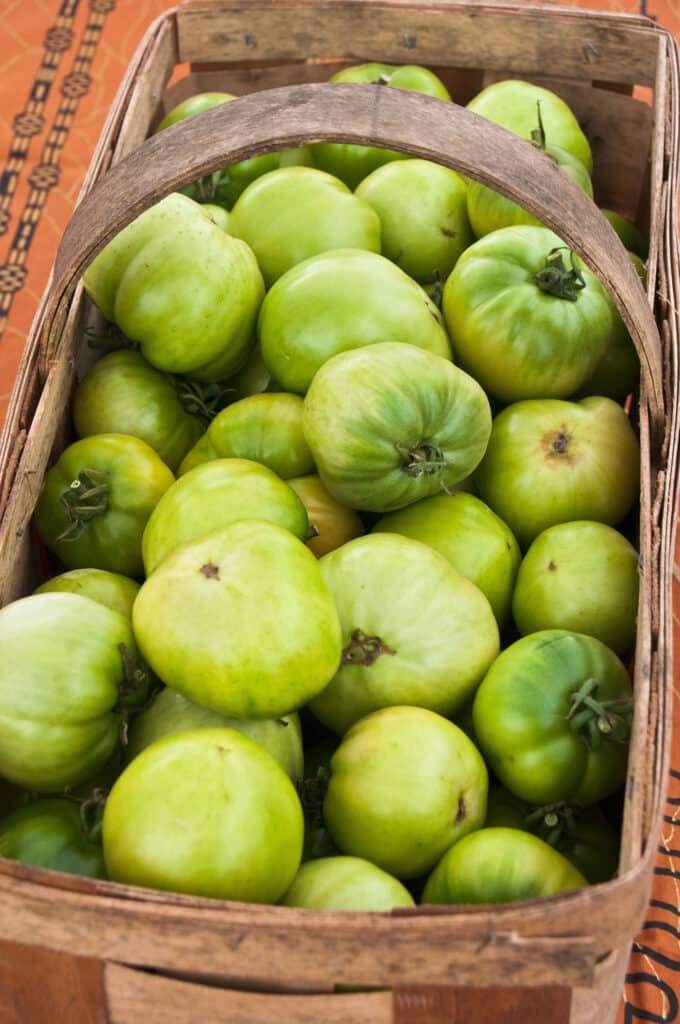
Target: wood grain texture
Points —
{"points": [[39, 986]]}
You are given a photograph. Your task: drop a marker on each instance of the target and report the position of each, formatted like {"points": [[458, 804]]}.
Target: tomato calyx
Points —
{"points": [[92, 815], [424, 458], [559, 280], [85, 498], [597, 720], [204, 400], [363, 649], [553, 822]]}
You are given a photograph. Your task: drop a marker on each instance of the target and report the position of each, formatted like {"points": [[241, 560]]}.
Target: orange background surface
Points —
{"points": [[61, 62]]}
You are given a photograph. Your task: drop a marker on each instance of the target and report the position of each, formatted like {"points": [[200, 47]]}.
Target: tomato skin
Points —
{"points": [[334, 523], [581, 576], [512, 104], [550, 462], [135, 476], [337, 301], [240, 621], [499, 865], [517, 340], [294, 213], [215, 494], [345, 883], [477, 543], [170, 713], [405, 784], [60, 676], [629, 233], [253, 378], [47, 834], [123, 394], [109, 588], [164, 279], [390, 423], [206, 812], [262, 428], [437, 641], [521, 724]]}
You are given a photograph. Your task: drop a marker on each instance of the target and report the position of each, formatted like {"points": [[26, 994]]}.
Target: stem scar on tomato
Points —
{"points": [[210, 571], [363, 649]]}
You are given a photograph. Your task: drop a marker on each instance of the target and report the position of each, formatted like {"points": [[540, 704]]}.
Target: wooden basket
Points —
{"points": [[104, 951]]}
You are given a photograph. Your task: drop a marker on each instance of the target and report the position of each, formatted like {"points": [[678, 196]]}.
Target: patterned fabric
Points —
{"points": [[60, 66]]}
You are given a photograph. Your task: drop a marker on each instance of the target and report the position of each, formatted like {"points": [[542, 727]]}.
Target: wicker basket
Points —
{"points": [[559, 959]]}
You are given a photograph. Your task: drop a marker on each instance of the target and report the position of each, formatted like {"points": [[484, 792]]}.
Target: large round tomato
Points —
{"points": [[391, 423], [405, 784], [48, 834], [207, 812], [215, 494], [345, 883], [340, 300], [240, 621], [499, 865], [96, 501], [472, 537], [109, 588], [67, 670], [550, 462], [525, 318], [552, 718], [331, 523], [427, 645], [186, 291]]}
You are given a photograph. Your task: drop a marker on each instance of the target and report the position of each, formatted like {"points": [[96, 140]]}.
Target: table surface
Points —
{"points": [[61, 62]]}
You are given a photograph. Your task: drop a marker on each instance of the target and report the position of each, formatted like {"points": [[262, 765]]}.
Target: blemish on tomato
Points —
{"points": [[552, 566], [461, 812], [210, 571]]}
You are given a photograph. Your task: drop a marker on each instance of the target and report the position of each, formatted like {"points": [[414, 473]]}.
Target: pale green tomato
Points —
{"points": [[241, 621], [345, 883], [108, 588], [219, 215]]}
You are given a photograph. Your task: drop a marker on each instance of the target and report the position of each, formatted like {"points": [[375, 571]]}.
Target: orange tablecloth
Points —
{"points": [[60, 64]]}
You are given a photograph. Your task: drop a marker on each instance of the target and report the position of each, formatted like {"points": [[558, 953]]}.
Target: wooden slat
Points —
{"points": [[520, 38], [39, 986]]}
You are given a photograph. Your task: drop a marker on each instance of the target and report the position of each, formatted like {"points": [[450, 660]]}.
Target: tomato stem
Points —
{"points": [[84, 499], [92, 815], [559, 280], [363, 649], [202, 399], [596, 720]]}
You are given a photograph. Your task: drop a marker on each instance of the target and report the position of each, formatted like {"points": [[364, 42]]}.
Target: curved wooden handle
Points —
{"points": [[368, 115]]}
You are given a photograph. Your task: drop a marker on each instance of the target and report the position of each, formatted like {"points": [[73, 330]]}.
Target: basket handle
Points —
{"points": [[368, 115]]}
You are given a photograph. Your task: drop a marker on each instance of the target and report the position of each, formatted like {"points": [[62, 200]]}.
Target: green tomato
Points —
{"points": [[552, 718], [240, 621], [108, 588], [351, 163], [427, 645], [68, 668], [206, 812], [262, 428], [345, 883], [186, 291], [475, 541], [123, 394], [338, 301], [581, 834], [405, 784], [550, 462], [219, 215], [581, 576], [629, 233], [526, 319], [390, 424], [215, 494], [170, 713], [48, 834], [423, 216], [500, 865], [514, 105], [97, 499], [331, 523], [253, 378], [294, 213]]}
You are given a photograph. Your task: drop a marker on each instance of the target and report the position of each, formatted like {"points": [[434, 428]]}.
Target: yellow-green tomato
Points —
{"points": [[332, 523], [109, 588], [405, 784], [500, 865], [581, 576], [629, 233], [170, 713], [293, 213], [241, 621], [473, 538], [263, 428], [219, 215], [427, 644], [345, 883], [215, 494], [423, 216], [207, 812], [186, 291]]}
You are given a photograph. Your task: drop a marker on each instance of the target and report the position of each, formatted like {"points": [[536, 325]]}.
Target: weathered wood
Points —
{"points": [[39, 986]]}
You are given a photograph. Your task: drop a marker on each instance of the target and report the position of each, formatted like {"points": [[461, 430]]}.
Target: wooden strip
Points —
{"points": [[39, 986], [421, 1004], [570, 43]]}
